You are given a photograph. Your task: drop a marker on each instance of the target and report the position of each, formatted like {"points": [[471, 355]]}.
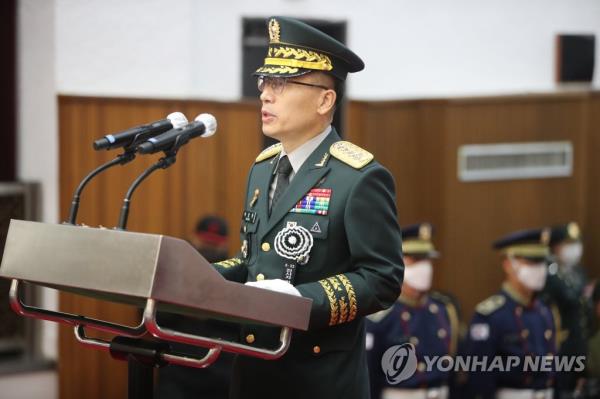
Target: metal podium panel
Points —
{"points": [[128, 267], [79, 258], [183, 277]]}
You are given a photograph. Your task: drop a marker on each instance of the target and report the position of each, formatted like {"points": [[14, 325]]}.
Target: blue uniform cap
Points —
{"points": [[530, 244], [565, 232], [416, 241]]}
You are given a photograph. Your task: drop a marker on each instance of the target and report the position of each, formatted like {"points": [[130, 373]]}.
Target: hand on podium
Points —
{"points": [[277, 285]]}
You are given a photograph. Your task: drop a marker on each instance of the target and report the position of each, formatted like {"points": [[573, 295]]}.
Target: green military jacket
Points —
{"points": [[355, 269]]}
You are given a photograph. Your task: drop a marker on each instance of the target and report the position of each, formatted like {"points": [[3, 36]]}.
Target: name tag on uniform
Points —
{"points": [[249, 217]]}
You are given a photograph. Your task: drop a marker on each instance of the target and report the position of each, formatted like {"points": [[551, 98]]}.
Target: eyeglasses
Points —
{"points": [[278, 84]]}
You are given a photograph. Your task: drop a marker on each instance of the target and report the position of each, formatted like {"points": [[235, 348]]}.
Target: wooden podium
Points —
{"points": [[153, 272]]}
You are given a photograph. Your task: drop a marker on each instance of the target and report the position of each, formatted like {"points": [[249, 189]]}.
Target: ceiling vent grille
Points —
{"points": [[508, 161]]}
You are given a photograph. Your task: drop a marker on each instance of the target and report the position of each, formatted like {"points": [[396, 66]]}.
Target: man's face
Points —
{"points": [[295, 109]]}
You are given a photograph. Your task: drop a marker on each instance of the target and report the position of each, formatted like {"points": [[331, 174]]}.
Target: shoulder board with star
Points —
{"points": [[491, 305], [377, 317], [350, 154], [269, 152]]}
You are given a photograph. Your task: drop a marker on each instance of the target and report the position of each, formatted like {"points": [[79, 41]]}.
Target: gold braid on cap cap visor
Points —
{"points": [[298, 58], [528, 251]]}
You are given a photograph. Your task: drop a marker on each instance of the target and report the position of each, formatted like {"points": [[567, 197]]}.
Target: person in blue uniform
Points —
{"points": [[564, 289], [427, 320], [515, 323]]}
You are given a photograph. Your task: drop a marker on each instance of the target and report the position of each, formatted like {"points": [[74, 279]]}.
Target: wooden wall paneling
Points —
{"points": [[416, 140], [478, 213], [80, 369], [355, 123], [202, 163], [591, 225]]}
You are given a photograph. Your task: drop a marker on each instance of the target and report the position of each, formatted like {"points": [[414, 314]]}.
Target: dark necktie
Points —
{"points": [[284, 169]]}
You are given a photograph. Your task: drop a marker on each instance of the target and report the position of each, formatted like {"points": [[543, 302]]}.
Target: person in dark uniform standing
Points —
{"points": [[514, 323], [322, 205], [593, 357], [427, 320], [564, 289], [210, 238]]}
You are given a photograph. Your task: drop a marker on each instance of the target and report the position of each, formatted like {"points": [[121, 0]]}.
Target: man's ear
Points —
{"points": [[326, 102]]}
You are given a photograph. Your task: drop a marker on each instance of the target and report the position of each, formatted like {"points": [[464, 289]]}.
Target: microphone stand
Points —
{"points": [[163, 163], [141, 356], [122, 159]]}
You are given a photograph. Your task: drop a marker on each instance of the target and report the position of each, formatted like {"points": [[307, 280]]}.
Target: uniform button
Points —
{"points": [[405, 316], [260, 277], [250, 338], [414, 341], [266, 247], [548, 334], [421, 366], [433, 308], [316, 349], [442, 333]]}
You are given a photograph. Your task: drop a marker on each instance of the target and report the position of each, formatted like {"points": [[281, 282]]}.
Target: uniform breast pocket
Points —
{"points": [[316, 224]]}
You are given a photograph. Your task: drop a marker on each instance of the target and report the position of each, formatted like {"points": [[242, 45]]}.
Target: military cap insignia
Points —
{"points": [[274, 31], [573, 231], [425, 232], [545, 237], [490, 305], [350, 154], [269, 152]]}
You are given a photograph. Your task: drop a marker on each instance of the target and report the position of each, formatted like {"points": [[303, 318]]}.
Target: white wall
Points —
{"points": [[37, 124], [189, 48]]}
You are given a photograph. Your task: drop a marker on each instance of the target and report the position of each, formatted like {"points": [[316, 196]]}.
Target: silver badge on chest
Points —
{"points": [[295, 243]]}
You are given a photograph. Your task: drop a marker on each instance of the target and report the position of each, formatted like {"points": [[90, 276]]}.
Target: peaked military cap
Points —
{"points": [[531, 244], [565, 232], [416, 240], [296, 48]]}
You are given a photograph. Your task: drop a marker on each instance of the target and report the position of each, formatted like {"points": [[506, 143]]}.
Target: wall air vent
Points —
{"points": [[508, 161]]}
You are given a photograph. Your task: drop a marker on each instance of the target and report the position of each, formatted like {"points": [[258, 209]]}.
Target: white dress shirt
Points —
{"points": [[298, 157]]}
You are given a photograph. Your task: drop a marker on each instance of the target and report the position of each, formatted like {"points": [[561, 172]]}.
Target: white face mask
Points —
{"points": [[569, 255], [419, 275], [531, 276]]}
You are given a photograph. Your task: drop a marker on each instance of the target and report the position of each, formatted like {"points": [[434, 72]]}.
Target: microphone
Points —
{"points": [[205, 125], [138, 134]]}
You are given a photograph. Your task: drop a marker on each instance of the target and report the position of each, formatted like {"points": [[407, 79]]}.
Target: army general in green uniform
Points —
{"points": [[326, 207]]}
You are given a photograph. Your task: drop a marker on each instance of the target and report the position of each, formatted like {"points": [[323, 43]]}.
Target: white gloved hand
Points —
{"points": [[276, 285]]}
